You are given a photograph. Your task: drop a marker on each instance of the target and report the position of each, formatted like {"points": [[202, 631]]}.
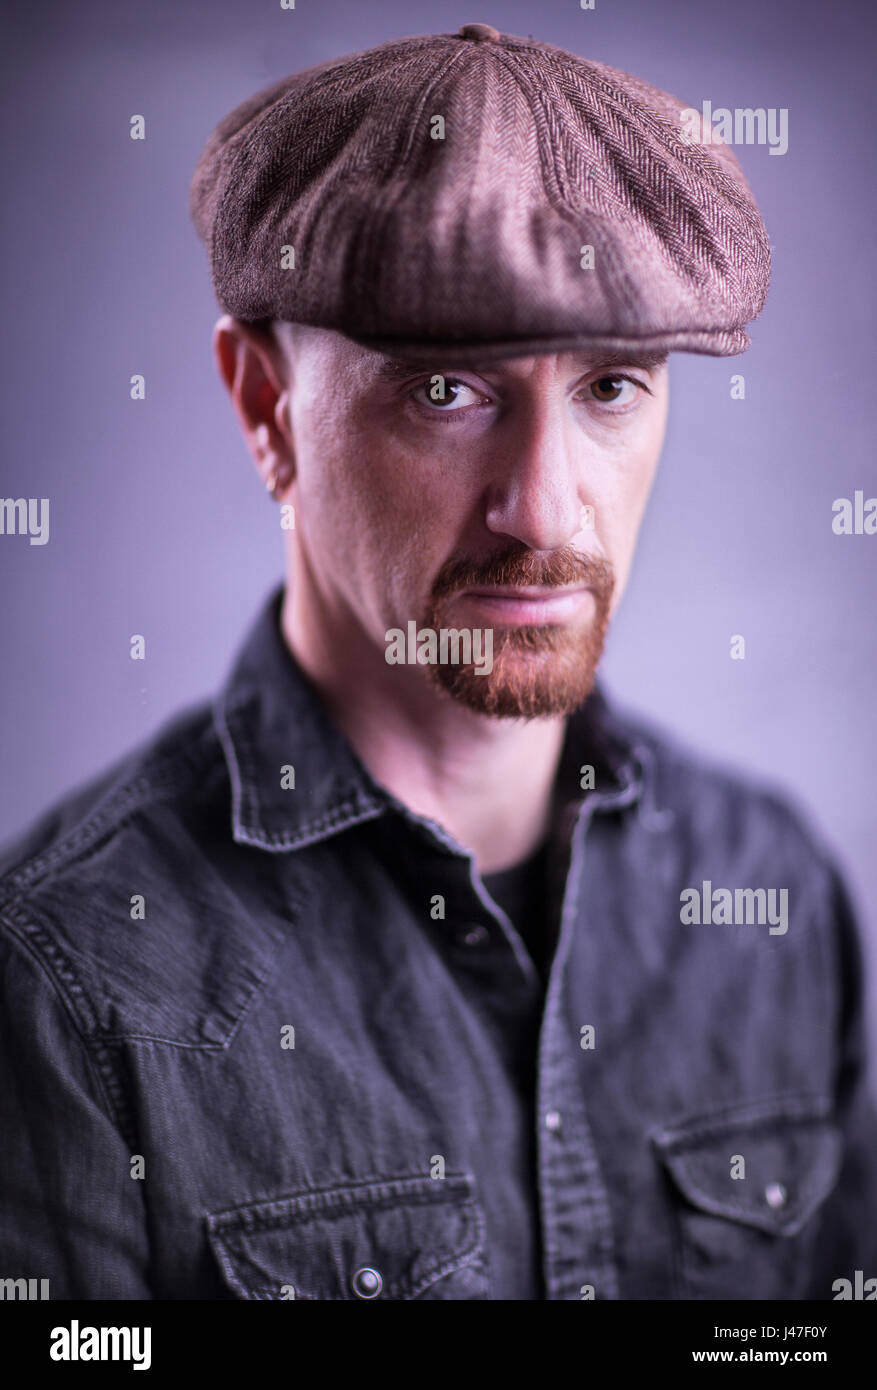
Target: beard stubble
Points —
{"points": [[538, 670]]}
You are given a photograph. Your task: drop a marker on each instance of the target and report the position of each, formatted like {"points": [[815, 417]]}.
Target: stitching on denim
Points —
{"points": [[222, 1046], [54, 961], [828, 969], [264, 1293], [450, 1266], [475, 1251], [386, 1192], [399, 1288], [99, 835], [370, 1194], [150, 1038], [352, 810], [81, 834], [120, 1097], [787, 1218], [57, 970], [253, 1223], [788, 1105], [341, 818], [21, 919], [227, 744], [114, 810]]}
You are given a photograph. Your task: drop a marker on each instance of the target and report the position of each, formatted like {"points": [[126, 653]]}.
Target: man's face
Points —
{"points": [[506, 497]]}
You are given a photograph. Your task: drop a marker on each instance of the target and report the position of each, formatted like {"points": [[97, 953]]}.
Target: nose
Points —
{"points": [[535, 492]]}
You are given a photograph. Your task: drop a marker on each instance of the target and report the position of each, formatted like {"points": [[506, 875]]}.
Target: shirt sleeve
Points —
{"points": [[848, 1237], [70, 1211]]}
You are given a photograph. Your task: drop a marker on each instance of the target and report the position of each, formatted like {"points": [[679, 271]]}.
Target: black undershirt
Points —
{"points": [[522, 893]]}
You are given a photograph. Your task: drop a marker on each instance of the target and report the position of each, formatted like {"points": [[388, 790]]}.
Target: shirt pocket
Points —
{"points": [[399, 1238], [746, 1186]]}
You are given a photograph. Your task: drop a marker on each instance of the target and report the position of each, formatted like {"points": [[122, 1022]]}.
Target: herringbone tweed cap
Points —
{"points": [[332, 199]]}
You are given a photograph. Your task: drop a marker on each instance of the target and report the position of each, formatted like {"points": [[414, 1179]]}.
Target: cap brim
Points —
{"points": [[718, 343]]}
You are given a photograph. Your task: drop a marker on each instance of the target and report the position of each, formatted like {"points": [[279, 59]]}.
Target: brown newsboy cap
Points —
{"points": [[440, 192]]}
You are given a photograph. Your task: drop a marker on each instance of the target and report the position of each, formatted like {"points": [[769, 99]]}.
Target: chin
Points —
{"points": [[529, 683]]}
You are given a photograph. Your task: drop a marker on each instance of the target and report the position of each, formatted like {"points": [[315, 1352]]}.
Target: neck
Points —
{"points": [[486, 781]]}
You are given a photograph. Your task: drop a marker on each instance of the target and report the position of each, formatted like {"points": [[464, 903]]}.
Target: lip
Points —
{"points": [[525, 591], [516, 604]]}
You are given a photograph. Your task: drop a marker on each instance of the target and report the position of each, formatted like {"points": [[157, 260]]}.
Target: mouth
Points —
{"points": [[520, 604]]}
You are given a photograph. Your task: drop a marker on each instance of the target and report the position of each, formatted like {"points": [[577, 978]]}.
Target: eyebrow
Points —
{"points": [[646, 360], [396, 368]]}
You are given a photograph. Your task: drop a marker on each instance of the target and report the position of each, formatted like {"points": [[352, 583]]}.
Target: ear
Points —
{"points": [[253, 367]]}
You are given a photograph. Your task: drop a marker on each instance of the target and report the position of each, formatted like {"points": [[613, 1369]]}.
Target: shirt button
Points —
{"points": [[367, 1282], [476, 934], [775, 1194], [553, 1121]]}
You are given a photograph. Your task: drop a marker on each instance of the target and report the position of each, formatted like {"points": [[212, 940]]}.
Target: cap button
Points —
{"points": [[481, 33]]}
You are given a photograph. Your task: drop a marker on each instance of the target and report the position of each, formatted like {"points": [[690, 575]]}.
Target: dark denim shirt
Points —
{"points": [[265, 1035]]}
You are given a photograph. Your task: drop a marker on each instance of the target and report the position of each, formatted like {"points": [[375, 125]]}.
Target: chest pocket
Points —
{"points": [[747, 1185], [414, 1237]]}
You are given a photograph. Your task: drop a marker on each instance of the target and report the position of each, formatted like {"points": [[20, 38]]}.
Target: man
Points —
{"points": [[411, 968]]}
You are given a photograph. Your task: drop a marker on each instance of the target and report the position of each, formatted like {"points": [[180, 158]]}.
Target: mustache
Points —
{"points": [[515, 566]]}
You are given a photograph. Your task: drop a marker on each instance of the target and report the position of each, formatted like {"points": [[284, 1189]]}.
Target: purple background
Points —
{"points": [[159, 525]]}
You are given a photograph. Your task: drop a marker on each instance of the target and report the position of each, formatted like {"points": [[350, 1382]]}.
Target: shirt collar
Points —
{"points": [[296, 779]]}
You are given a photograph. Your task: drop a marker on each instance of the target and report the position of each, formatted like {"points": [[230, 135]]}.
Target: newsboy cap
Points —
{"points": [[481, 193]]}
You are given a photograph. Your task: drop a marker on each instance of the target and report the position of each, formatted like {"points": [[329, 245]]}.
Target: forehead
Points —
{"points": [[397, 367], [328, 349]]}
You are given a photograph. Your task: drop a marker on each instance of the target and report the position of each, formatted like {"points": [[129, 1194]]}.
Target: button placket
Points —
{"points": [[579, 1241], [504, 929]]}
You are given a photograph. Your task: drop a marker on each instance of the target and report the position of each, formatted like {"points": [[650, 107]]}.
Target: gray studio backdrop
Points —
{"points": [[158, 524]]}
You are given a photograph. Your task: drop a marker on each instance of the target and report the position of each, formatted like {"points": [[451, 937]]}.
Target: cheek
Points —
{"points": [[374, 513], [621, 502]]}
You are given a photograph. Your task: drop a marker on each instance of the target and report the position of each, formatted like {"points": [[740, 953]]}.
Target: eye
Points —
{"points": [[609, 390], [445, 394]]}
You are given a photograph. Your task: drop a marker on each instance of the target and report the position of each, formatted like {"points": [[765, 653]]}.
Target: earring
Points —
{"points": [[278, 481]]}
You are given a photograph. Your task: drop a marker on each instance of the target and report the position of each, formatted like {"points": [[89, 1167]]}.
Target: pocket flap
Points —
{"points": [[390, 1239], [791, 1154]]}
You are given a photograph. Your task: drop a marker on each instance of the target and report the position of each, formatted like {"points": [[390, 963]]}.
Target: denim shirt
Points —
{"points": [[265, 1035]]}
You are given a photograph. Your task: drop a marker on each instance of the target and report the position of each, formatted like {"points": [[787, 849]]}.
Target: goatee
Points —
{"points": [[538, 671]]}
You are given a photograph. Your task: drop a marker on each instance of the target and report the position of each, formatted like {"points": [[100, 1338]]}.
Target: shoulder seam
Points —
{"points": [[114, 809], [47, 957]]}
